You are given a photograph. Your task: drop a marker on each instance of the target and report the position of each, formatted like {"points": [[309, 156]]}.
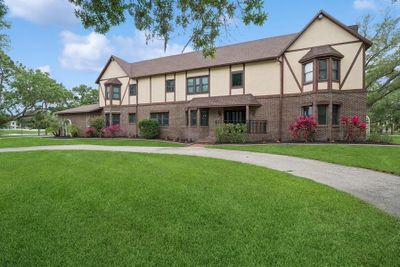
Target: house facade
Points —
{"points": [[266, 83]]}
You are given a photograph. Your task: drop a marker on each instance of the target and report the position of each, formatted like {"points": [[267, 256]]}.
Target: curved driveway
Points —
{"points": [[379, 189]]}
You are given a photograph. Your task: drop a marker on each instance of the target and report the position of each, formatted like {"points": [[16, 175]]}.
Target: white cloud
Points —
{"points": [[60, 12], [364, 4], [90, 52], [45, 69]]}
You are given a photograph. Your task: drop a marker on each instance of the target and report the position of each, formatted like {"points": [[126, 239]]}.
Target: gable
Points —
{"points": [[113, 70], [322, 32]]}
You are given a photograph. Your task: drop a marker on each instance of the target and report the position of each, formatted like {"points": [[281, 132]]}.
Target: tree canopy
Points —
{"points": [[85, 95], [204, 20]]}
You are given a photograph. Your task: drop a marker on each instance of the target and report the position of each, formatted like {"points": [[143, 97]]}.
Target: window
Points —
{"points": [[335, 114], [116, 92], [161, 117], [187, 117], [115, 119], [193, 117], [322, 70], [132, 89], [237, 79], [132, 117], [306, 111], [308, 72], [322, 120], [107, 92], [107, 119], [234, 116], [204, 117], [170, 86], [197, 85], [335, 70]]}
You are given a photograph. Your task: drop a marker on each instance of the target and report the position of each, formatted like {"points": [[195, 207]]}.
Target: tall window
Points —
{"points": [[107, 92], [322, 118], [306, 111], [308, 72], [132, 118], [322, 70], [161, 117], [132, 89], [107, 119], [116, 92], [197, 85], [335, 70], [335, 114], [237, 79], [193, 117], [115, 119], [170, 86], [235, 116], [204, 117]]}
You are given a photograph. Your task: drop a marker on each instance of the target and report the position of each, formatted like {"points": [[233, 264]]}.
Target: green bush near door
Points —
{"points": [[149, 129], [231, 133]]}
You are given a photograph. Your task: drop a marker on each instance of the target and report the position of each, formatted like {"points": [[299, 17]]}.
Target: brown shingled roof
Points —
{"points": [[223, 101], [81, 109], [321, 51], [113, 81]]}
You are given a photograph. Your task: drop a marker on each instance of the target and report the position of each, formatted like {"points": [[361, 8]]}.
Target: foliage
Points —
{"points": [[231, 132], [97, 123], [149, 128], [90, 132], [44, 120], [303, 128], [85, 95], [383, 69], [112, 130], [380, 138], [163, 19], [53, 128], [73, 129], [4, 25], [352, 128]]}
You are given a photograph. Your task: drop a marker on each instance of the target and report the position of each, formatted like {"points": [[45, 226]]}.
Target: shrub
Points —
{"points": [[231, 133], [380, 138], [352, 128], [97, 123], [303, 128], [112, 130], [149, 128], [90, 132], [73, 129], [54, 128]]}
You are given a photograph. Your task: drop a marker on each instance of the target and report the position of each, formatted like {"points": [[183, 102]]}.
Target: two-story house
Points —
{"points": [[266, 83]]}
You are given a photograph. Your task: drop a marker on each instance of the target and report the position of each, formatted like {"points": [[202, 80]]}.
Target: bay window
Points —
{"points": [[308, 70]]}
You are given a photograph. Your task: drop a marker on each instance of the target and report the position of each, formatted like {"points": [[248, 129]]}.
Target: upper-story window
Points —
{"points": [[322, 69], [308, 72], [237, 79], [335, 70], [170, 86], [132, 89], [197, 85], [107, 92], [116, 92]]}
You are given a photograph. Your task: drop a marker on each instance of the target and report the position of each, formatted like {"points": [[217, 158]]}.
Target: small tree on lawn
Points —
{"points": [[303, 129], [97, 123]]}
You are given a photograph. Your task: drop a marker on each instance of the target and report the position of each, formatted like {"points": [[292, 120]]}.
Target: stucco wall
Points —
{"points": [[262, 78]]}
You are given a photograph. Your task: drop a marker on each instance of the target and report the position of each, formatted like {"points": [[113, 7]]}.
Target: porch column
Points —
{"points": [[198, 117], [247, 112], [189, 117]]}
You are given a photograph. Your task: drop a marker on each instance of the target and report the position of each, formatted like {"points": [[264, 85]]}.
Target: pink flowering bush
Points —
{"points": [[112, 130], [303, 128], [90, 132], [352, 128]]}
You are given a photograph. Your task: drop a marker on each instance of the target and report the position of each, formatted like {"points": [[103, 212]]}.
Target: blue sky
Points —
{"points": [[45, 34]]}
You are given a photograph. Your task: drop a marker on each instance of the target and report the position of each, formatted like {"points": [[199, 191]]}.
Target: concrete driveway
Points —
{"points": [[379, 189]]}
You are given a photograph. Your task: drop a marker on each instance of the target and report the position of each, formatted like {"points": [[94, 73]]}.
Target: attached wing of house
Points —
{"points": [[265, 83]]}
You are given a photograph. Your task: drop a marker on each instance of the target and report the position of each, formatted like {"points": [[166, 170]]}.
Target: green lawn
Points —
{"points": [[38, 141], [380, 158], [72, 208], [396, 139]]}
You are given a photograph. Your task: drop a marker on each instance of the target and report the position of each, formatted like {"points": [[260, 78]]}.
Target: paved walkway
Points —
{"points": [[379, 189]]}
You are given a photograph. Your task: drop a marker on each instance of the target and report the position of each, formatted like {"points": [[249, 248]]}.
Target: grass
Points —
{"points": [[37, 141], [380, 158], [70, 208], [396, 139]]}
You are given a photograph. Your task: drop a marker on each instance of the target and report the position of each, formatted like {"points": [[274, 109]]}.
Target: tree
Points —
{"points": [[25, 91], [85, 95], [42, 120], [383, 69], [163, 18], [4, 24]]}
